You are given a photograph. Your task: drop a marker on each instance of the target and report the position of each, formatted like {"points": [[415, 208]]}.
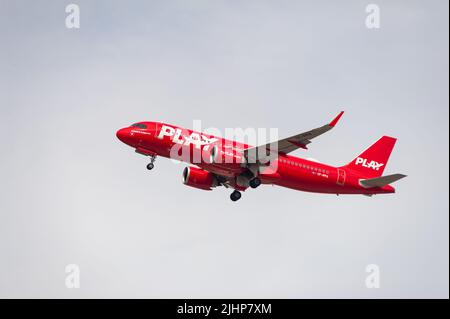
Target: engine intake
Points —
{"points": [[199, 178]]}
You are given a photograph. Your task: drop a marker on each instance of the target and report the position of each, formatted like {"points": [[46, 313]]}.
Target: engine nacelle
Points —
{"points": [[199, 178], [230, 158]]}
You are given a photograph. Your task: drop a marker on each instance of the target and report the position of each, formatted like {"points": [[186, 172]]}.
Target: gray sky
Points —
{"points": [[71, 193]]}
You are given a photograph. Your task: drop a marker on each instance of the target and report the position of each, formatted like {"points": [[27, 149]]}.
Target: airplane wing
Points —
{"points": [[289, 144]]}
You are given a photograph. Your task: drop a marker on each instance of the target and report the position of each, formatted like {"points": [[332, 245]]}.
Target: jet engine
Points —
{"points": [[199, 178]]}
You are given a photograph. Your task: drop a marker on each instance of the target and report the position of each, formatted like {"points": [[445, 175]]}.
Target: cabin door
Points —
{"points": [[341, 177]]}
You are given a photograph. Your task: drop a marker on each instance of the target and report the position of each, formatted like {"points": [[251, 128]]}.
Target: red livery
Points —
{"points": [[222, 162]]}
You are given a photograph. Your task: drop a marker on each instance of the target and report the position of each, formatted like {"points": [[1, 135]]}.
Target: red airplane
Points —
{"points": [[221, 162]]}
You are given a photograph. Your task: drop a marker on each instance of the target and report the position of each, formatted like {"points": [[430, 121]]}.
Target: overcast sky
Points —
{"points": [[71, 193]]}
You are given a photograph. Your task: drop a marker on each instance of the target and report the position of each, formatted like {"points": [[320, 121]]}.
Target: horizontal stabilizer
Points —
{"points": [[381, 181]]}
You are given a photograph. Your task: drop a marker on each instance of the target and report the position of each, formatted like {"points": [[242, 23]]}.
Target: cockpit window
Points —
{"points": [[139, 125]]}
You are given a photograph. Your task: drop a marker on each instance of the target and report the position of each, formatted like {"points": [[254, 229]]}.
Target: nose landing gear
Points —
{"points": [[150, 165]]}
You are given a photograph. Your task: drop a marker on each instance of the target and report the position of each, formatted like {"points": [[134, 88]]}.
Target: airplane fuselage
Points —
{"points": [[159, 139]]}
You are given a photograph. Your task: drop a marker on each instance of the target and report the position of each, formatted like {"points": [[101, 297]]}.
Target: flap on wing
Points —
{"points": [[381, 181]]}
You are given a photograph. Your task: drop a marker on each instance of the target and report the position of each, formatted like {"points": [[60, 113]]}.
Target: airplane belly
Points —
{"points": [[309, 181]]}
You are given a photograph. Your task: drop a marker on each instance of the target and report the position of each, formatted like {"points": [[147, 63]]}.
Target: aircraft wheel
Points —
{"points": [[150, 166], [236, 195], [255, 182]]}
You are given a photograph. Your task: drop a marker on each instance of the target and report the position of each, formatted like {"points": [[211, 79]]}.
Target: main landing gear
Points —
{"points": [[255, 182], [236, 195], [150, 165]]}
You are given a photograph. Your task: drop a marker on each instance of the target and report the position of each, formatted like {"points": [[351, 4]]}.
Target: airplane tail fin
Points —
{"points": [[381, 181], [373, 160]]}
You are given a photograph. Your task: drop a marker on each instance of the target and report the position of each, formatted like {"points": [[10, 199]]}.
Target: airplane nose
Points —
{"points": [[122, 134]]}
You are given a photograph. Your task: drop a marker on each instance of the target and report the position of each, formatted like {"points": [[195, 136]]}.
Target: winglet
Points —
{"points": [[336, 119]]}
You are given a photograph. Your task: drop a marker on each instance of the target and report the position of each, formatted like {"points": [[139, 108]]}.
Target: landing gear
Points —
{"points": [[255, 182], [150, 165], [236, 195]]}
